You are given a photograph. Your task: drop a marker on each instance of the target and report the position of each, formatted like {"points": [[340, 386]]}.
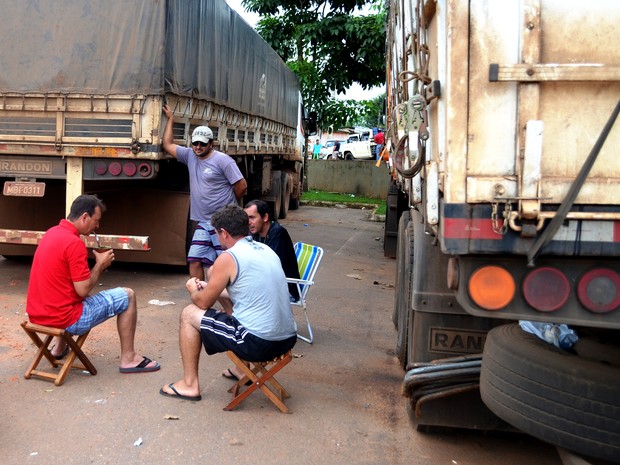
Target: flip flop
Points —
{"points": [[63, 355], [141, 367], [228, 374], [178, 395]]}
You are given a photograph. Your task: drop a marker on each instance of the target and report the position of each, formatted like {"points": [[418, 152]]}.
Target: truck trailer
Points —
{"points": [[504, 216], [82, 88]]}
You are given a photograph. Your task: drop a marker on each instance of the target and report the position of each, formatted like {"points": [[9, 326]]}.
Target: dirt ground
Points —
{"points": [[346, 404]]}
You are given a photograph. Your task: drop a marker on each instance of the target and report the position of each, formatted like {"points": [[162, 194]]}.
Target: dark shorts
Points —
{"points": [[221, 332]]}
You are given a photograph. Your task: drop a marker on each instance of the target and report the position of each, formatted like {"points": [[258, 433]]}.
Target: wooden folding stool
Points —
{"points": [[75, 345], [261, 375]]}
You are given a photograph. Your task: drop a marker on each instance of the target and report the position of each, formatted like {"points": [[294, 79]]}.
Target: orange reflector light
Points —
{"points": [[491, 287], [546, 289]]}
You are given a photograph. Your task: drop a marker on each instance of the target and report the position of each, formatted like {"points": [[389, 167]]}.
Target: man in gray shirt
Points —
{"points": [[214, 181]]}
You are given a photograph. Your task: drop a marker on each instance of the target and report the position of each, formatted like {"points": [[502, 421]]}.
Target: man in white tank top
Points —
{"points": [[261, 326]]}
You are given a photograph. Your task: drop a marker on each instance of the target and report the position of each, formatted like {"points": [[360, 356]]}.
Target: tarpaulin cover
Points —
{"points": [[194, 48]]}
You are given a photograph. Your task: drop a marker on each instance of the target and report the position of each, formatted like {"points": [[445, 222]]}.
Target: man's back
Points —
{"points": [[60, 260], [259, 293]]}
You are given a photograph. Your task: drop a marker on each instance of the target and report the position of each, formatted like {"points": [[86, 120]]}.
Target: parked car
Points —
{"points": [[358, 146], [328, 150]]}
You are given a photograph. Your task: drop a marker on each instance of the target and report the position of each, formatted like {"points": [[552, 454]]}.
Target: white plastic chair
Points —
{"points": [[308, 260]]}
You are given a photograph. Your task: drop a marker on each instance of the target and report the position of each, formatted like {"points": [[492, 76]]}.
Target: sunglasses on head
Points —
{"points": [[202, 144]]}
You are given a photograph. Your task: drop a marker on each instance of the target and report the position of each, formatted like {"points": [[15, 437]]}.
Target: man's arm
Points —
{"points": [[240, 188], [102, 262], [223, 271], [168, 138]]}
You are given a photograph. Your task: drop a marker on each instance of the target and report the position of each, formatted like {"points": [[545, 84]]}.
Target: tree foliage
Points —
{"points": [[329, 48]]}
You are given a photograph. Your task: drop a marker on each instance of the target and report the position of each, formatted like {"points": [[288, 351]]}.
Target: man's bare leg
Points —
{"points": [[196, 271], [190, 344], [58, 346], [126, 326]]}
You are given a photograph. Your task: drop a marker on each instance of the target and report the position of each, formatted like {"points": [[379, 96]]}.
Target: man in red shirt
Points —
{"points": [[60, 283], [379, 140]]}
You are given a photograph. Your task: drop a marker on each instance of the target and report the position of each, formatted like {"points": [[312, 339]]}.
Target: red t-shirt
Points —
{"points": [[379, 138], [59, 261]]}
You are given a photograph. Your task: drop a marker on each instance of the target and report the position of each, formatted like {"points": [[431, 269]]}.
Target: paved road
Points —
{"points": [[346, 406]]}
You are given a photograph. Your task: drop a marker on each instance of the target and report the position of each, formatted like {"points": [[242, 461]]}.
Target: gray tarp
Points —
{"points": [[196, 48]]}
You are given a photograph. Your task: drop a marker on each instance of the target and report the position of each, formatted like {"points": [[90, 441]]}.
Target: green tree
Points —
{"points": [[329, 48]]}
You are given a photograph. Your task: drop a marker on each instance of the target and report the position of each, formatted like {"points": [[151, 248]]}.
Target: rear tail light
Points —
{"points": [[101, 168], [491, 287], [129, 169], [546, 289], [599, 290], [115, 168]]}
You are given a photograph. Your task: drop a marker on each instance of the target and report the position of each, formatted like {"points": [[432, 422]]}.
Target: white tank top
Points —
{"points": [[261, 301]]}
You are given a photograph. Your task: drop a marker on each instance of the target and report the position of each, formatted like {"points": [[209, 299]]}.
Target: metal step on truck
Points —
{"points": [[504, 216], [81, 94]]}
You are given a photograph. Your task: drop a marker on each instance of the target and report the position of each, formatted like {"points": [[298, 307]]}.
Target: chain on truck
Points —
{"points": [[81, 98], [504, 214]]}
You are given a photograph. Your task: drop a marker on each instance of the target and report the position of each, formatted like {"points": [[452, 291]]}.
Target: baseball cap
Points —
{"points": [[202, 134]]}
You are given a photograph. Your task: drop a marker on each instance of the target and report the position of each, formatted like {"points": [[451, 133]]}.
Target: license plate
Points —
{"points": [[24, 189]]}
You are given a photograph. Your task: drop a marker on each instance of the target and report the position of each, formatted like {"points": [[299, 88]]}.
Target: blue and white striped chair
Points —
{"points": [[308, 260]]}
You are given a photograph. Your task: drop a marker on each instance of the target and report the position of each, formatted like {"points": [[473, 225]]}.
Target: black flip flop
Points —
{"points": [[178, 395], [234, 377], [141, 367]]}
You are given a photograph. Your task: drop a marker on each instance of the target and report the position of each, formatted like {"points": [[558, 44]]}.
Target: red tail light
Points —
{"points": [[546, 289], [115, 168], [599, 290]]}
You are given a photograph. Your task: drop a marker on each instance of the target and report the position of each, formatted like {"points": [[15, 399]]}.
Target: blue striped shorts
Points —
{"points": [[99, 308], [205, 247]]}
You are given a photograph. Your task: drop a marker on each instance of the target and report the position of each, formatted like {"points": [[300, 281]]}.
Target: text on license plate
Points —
{"points": [[24, 189]]}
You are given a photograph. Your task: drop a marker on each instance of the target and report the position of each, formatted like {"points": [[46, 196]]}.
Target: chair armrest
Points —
{"points": [[299, 281]]}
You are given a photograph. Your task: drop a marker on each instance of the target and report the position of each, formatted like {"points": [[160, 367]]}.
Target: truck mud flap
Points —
{"points": [[551, 394], [396, 203], [436, 339]]}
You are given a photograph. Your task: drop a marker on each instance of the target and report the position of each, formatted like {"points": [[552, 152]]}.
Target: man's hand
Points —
{"points": [[104, 259], [168, 112], [195, 285]]}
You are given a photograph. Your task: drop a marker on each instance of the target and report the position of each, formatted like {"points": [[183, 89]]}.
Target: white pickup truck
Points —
{"points": [[359, 146]]}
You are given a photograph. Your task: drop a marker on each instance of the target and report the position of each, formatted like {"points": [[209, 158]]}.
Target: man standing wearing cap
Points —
{"points": [[214, 181]]}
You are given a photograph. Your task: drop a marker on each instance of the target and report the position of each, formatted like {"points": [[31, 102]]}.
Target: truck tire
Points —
{"points": [[402, 301], [348, 156], [287, 187], [276, 194], [551, 394]]}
